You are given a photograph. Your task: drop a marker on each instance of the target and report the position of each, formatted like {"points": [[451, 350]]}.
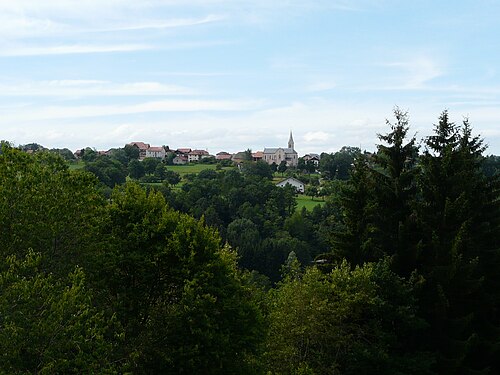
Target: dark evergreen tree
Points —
{"points": [[394, 174], [352, 237], [456, 213]]}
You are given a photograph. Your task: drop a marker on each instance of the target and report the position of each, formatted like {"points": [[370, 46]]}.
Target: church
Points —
{"points": [[277, 155]]}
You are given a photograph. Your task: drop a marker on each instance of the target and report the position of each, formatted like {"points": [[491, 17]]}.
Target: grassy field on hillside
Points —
{"points": [[192, 168], [307, 202], [181, 169], [76, 165]]}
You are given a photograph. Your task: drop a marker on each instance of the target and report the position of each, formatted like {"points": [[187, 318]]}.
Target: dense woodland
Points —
{"points": [[107, 270]]}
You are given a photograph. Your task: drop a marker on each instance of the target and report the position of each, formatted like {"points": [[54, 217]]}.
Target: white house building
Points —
{"points": [[155, 152], [197, 155], [298, 185], [313, 158]]}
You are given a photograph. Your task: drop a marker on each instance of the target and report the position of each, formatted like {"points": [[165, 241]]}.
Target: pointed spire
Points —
{"points": [[290, 141]]}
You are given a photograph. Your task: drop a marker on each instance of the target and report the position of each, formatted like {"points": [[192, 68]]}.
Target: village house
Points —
{"points": [[278, 155], [256, 156], [142, 148], [180, 160], [298, 185], [197, 155], [223, 156], [183, 151], [155, 152], [313, 158], [148, 151]]}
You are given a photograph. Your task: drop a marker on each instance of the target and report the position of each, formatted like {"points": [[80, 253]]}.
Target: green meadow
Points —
{"points": [[307, 202], [192, 168]]}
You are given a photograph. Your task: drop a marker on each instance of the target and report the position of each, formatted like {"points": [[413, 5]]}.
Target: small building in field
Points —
{"points": [[298, 185]]}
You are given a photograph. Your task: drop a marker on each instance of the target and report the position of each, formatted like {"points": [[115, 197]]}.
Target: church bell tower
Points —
{"points": [[290, 142]]}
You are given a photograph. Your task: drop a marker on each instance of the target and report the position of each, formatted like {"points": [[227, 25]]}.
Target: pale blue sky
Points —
{"points": [[237, 74]]}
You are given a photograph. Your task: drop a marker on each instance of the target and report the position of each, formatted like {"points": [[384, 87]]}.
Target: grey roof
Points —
{"points": [[313, 155], [274, 150], [290, 179]]}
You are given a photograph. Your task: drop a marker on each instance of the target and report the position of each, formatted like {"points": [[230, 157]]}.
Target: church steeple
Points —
{"points": [[290, 142]]}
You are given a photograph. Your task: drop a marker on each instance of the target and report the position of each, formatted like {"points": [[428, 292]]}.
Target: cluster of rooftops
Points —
{"points": [[276, 155]]}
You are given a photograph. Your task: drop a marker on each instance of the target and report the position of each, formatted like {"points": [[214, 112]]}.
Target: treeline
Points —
{"points": [[398, 273]]}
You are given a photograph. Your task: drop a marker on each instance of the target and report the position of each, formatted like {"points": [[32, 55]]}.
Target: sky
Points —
{"points": [[228, 75]]}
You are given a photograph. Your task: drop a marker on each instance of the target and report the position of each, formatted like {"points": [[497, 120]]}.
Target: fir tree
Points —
{"points": [[352, 239], [454, 214], [394, 193]]}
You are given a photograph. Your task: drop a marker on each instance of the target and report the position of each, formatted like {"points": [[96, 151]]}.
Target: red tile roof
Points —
{"points": [[199, 152], [140, 145]]}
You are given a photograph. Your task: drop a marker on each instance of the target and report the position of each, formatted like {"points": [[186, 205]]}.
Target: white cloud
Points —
{"points": [[12, 27], [418, 72], [70, 49], [317, 127], [318, 136], [172, 23], [320, 86], [85, 88], [85, 111]]}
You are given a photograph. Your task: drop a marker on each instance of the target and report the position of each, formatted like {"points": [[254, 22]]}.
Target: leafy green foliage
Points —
{"points": [[136, 169], [258, 169], [177, 294], [150, 165], [132, 152], [344, 322], [65, 153], [108, 170], [47, 208], [339, 164], [172, 178], [50, 326]]}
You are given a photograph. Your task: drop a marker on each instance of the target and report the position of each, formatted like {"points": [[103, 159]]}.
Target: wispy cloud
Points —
{"points": [[164, 24], [418, 71], [60, 27], [85, 111], [318, 136], [320, 86], [86, 88], [22, 26], [70, 49]]}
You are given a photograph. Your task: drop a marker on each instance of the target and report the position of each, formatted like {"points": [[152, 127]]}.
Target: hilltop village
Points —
{"points": [[151, 164], [180, 156]]}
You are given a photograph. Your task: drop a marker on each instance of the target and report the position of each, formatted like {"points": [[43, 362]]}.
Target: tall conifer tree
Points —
{"points": [[352, 239], [394, 194], [453, 214]]}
